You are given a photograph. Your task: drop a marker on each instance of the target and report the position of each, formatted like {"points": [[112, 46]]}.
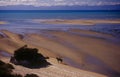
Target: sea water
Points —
{"points": [[58, 14]]}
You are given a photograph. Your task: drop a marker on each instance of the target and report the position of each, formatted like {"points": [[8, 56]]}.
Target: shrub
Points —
{"points": [[5, 68], [1, 63], [31, 75], [17, 75], [29, 57]]}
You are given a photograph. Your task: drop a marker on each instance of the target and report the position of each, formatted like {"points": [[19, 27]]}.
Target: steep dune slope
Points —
{"points": [[55, 70]]}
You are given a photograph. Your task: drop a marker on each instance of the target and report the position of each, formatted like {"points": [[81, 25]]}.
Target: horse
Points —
{"points": [[59, 59]]}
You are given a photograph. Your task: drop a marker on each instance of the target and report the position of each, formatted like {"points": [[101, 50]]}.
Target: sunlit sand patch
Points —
{"points": [[77, 21]]}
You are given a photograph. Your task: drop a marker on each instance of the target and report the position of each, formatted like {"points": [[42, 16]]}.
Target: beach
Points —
{"points": [[88, 47], [83, 49]]}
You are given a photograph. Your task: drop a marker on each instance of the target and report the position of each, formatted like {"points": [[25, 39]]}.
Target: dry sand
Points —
{"points": [[11, 41], [54, 70], [78, 21], [89, 53], [104, 50]]}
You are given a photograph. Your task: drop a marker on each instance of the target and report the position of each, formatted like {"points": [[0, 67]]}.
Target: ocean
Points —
{"points": [[20, 20], [59, 14]]}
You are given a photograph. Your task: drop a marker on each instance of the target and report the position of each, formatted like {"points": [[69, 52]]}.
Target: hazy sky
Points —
{"points": [[38, 3]]}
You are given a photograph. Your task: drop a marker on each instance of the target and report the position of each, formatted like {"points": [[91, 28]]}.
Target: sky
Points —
{"points": [[38, 3], [58, 4]]}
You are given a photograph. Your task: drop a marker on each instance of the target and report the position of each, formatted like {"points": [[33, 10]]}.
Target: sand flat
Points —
{"points": [[13, 41], [80, 21]]}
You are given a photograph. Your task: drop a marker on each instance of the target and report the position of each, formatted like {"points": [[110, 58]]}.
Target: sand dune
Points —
{"points": [[13, 41], [86, 51], [106, 51], [52, 45], [55, 70], [103, 53]]}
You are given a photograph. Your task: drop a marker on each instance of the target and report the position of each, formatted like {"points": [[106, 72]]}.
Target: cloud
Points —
{"points": [[38, 3]]}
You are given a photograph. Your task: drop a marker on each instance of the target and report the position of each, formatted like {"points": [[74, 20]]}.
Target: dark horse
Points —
{"points": [[59, 59]]}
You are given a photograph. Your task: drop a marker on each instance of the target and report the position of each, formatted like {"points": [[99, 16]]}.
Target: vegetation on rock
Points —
{"points": [[31, 75], [6, 70], [29, 57]]}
